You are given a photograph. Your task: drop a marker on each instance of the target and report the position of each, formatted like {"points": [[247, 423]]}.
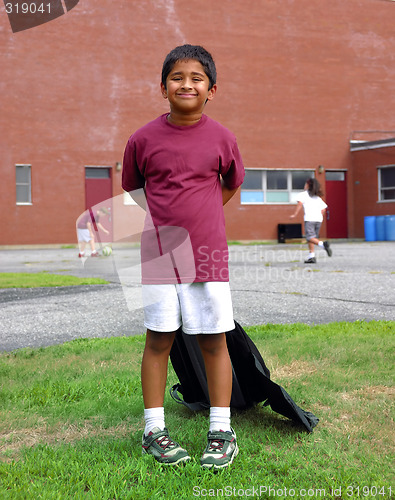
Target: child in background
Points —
{"points": [[314, 208], [186, 166], [85, 230]]}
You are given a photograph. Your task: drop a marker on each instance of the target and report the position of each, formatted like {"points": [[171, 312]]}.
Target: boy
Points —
{"points": [[85, 231], [186, 166]]}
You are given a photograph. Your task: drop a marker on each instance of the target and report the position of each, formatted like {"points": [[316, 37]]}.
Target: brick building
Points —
{"points": [[306, 86]]}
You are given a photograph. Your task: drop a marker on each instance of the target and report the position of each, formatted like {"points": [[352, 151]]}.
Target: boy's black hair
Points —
{"points": [[196, 52]]}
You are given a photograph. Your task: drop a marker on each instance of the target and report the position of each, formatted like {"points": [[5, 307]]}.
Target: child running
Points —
{"points": [[314, 208]]}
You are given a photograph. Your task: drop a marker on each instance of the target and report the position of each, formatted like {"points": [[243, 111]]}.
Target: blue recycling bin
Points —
{"points": [[390, 227], [380, 228], [370, 228]]}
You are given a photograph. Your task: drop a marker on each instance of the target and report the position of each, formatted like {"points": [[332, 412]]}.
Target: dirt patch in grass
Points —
{"points": [[294, 370], [375, 390], [13, 441], [357, 413]]}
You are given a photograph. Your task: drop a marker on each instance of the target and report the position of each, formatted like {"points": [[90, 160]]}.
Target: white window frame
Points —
{"points": [[292, 193], [380, 188], [28, 184]]}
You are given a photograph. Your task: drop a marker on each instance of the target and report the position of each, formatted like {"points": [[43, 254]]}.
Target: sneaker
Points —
{"points": [[221, 449], [312, 260], [80, 255], [328, 248], [95, 254], [166, 451]]}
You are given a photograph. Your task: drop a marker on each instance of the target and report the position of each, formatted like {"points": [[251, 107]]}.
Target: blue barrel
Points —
{"points": [[370, 228], [380, 228], [390, 227]]}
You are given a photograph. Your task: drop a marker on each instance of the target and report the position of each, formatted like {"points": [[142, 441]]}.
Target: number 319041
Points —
{"points": [[27, 8]]}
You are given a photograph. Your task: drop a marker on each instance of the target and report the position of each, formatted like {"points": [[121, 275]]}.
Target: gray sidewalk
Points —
{"points": [[270, 284]]}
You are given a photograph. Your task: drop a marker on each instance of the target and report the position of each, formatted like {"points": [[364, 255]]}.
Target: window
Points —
{"points": [[335, 176], [273, 186], [252, 190], [97, 173], [277, 186], [23, 184], [387, 183]]}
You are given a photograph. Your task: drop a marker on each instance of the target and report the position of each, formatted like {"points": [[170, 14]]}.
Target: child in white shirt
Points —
{"points": [[314, 208]]}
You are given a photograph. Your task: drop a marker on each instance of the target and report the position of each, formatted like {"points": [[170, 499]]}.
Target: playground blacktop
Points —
{"points": [[270, 284]]}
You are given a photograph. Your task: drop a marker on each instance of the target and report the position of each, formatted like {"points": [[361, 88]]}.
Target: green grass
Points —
{"points": [[71, 421], [250, 242], [44, 279]]}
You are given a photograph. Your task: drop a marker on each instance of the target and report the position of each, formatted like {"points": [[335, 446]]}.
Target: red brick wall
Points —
{"points": [[295, 80], [365, 185]]}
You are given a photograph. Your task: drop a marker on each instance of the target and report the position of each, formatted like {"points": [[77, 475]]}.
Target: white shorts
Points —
{"points": [[84, 235], [197, 307]]}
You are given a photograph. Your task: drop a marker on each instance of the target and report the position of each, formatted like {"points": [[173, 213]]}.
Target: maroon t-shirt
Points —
{"points": [[184, 239]]}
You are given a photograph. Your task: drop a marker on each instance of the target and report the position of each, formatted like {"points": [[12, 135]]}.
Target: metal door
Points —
{"points": [[336, 199], [98, 193]]}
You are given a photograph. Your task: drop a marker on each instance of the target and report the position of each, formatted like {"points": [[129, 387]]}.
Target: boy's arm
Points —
{"points": [[102, 228], [227, 194]]}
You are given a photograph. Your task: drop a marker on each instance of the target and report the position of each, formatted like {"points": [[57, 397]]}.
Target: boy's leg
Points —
{"points": [[92, 245], [81, 236], [82, 246], [221, 439], [218, 368], [156, 440], [154, 367]]}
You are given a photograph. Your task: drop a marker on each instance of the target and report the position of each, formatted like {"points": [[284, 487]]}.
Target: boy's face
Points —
{"points": [[187, 87]]}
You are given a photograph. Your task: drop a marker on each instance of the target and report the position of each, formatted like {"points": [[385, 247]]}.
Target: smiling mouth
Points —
{"points": [[187, 95]]}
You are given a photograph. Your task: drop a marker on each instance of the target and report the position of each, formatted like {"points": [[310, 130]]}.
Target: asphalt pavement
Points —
{"points": [[270, 284]]}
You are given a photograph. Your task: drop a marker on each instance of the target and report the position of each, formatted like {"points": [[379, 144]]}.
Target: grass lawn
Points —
{"points": [[71, 421], [44, 279]]}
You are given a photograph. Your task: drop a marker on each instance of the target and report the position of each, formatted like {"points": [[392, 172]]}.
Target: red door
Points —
{"points": [[336, 199], [98, 194]]}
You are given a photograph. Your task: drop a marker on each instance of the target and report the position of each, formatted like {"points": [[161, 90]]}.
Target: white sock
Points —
{"points": [[311, 255], [154, 417], [219, 418], [321, 244]]}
